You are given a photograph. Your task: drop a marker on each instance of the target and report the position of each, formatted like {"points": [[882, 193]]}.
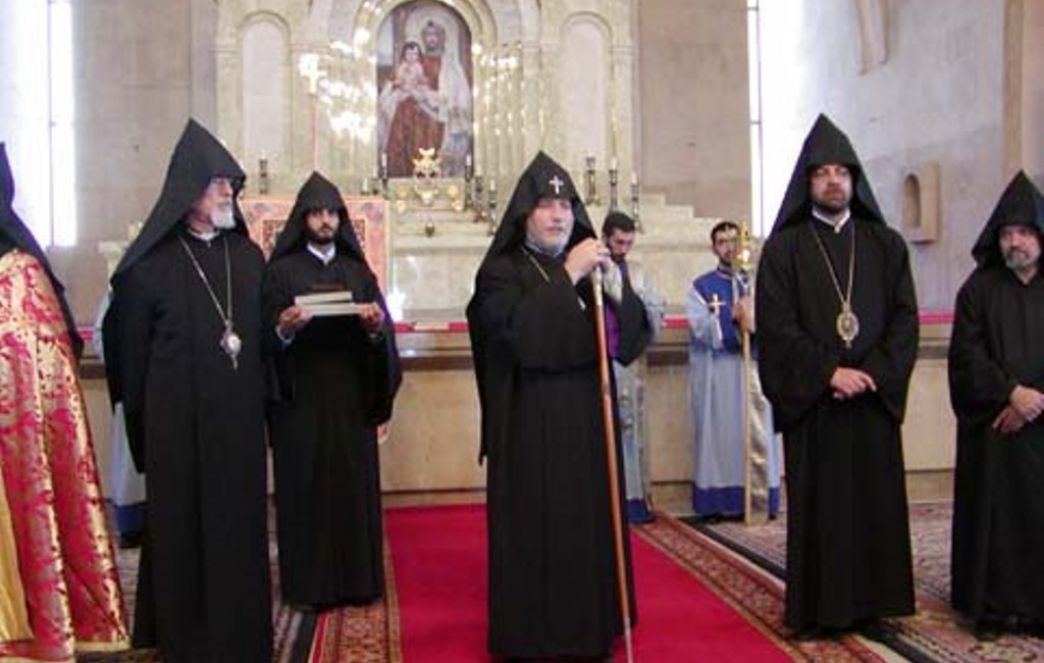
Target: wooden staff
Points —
{"points": [[609, 425]]}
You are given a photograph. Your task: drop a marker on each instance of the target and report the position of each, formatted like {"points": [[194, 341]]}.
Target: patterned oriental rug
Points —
{"points": [[936, 632], [697, 601]]}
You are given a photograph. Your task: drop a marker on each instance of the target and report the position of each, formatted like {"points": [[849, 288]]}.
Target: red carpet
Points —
{"points": [[439, 558]]}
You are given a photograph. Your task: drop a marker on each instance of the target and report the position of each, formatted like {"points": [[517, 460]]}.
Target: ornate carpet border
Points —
{"points": [[362, 634], [936, 633]]}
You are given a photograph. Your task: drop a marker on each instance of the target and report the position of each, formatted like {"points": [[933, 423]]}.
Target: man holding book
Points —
{"points": [[336, 370]]}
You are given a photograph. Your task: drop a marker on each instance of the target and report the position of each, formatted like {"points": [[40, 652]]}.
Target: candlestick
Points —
{"points": [[635, 212], [480, 212], [383, 174], [262, 175], [492, 203], [589, 178]]}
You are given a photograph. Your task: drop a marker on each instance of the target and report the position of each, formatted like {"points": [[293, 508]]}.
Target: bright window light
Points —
{"points": [[757, 202], [62, 118]]}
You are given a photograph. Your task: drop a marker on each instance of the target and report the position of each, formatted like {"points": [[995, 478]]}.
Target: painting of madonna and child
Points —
{"points": [[424, 76]]}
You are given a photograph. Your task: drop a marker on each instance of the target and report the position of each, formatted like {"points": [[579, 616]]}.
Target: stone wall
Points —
{"points": [[934, 95], [693, 104]]}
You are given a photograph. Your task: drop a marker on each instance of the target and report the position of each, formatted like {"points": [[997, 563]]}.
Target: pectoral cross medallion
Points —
{"points": [[231, 344], [847, 324]]}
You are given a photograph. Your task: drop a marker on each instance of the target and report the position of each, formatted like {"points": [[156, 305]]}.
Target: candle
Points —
{"points": [[634, 178], [384, 159], [492, 185], [613, 164], [467, 161]]}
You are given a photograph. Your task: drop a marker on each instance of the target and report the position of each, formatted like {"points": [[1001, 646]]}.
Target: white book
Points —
{"points": [[337, 297], [328, 309]]}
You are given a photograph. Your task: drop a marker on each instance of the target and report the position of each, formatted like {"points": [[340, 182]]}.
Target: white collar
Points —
{"points": [[836, 226], [207, 237], [326, 256]]}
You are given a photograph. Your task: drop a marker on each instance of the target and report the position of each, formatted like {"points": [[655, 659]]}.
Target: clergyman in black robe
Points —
{"points": [[837, 320], [183, 344], [552, 578], [336, 378], [997, 391]]}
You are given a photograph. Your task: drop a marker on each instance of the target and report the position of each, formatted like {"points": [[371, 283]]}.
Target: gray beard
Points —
{"points": [[552, 251], [223, 219], [1017, 260]]}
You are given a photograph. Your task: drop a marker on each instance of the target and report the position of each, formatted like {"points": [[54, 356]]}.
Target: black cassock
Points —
{"points": [[334, 386], [553, 588], [848, 543], [998, 525], [197, 424]]}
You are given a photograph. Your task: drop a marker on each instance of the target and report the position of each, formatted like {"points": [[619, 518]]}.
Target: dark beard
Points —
{"points": [[321, 242], [829, 209]]}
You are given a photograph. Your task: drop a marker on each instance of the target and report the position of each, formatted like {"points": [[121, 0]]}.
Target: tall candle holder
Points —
{"points": [[635, 211], [491, 202], [591, 196], [469, 173], [383, 174], [262, 175], [478, 182], [614, 173]]}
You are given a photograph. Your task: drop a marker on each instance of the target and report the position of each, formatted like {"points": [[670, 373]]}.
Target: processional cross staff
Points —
{"points": [[744, 265], [609, 427]]}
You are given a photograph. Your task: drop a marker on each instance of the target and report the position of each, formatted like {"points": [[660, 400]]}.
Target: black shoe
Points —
{"points": [[129, 540], [873, 629], [808, 633], [988, 630]]}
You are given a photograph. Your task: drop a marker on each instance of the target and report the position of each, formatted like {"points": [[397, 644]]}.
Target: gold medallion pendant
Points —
{"points": [[847, 324]]}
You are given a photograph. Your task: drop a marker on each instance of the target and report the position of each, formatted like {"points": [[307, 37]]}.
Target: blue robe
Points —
{"points": [[716, 398]]}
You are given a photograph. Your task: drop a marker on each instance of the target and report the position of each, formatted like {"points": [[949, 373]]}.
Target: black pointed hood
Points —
{"points": [[825, 144], [317, 193], [542, 178], [198, 157], [15, 234], [1020, 204]]}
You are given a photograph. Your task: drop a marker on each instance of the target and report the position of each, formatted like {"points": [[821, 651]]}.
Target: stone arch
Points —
{"points": [[511, 20], [584, 70], [264, 91]]}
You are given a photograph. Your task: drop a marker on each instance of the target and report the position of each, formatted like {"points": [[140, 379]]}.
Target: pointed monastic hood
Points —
{"points": [[15, 234], [317, 193], [825, 144], [198, 157], [542, 178], [1021, 204]]}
